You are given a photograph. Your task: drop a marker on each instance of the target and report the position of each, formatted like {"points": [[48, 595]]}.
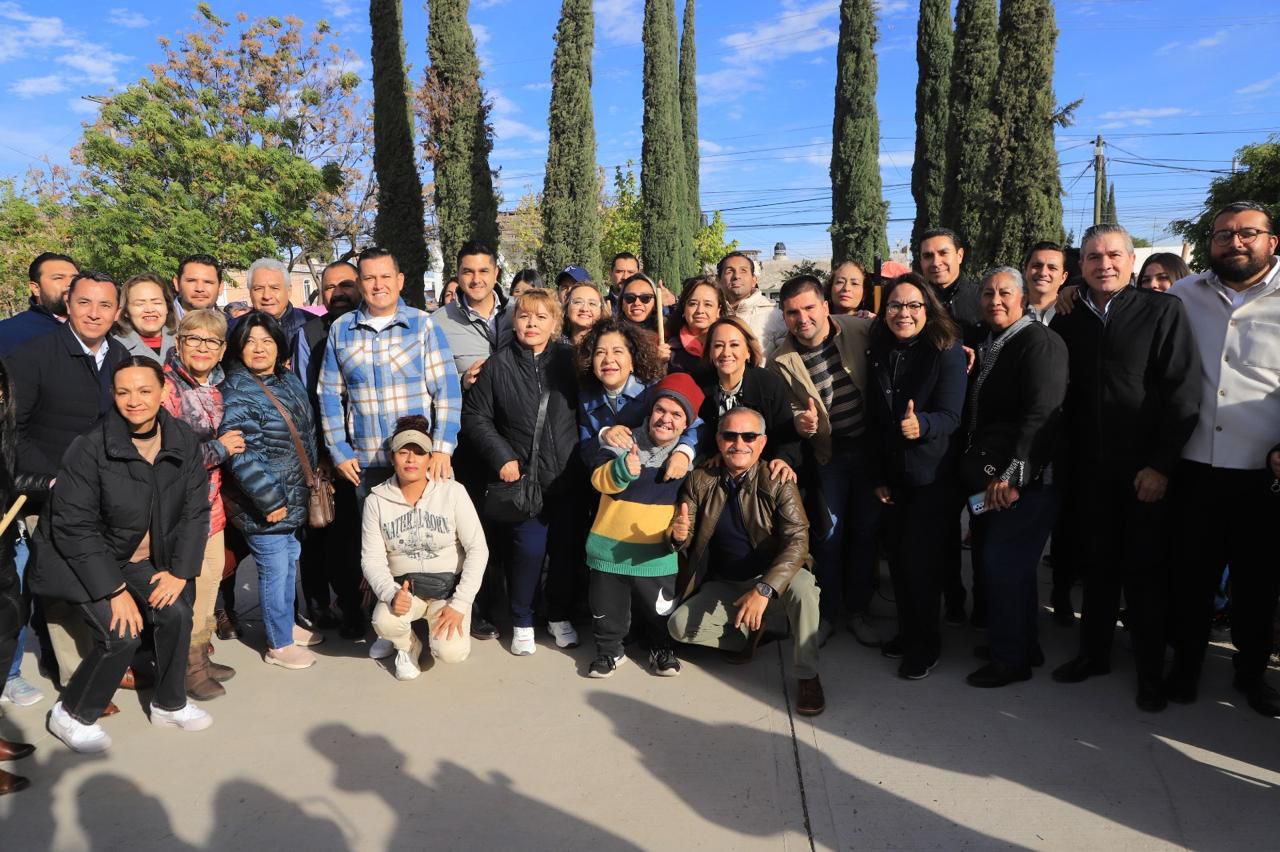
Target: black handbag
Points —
{"points": [[517, 502]]}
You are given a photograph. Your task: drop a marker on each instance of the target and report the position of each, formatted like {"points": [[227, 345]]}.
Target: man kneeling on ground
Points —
{"points": [[747, 540]]}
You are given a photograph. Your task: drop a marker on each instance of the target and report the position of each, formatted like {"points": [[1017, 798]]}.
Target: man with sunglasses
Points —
{"points": [[1225, 493], [747, 541]]}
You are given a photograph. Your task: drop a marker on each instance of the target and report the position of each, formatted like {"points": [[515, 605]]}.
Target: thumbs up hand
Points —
{"points": [[911, 423], [807, 420], [633, 460], [404, 597], [680, 526]]}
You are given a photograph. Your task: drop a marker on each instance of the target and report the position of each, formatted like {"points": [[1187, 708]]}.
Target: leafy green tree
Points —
{"points": [[1257, 179], [710, 244], [570, 197], [858, 211], [621, 217], [665, 236], [1111, 215], [933, 85], [400, 222], [460, 134], [32, 221], [1025, 202], [689, 124], [971, 121]]}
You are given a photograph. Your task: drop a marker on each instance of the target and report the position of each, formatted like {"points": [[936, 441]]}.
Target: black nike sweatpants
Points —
{"points": [[611, 596]]}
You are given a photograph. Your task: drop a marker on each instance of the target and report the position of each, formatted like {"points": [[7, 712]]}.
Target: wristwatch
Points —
{"points": [[765, 589]]}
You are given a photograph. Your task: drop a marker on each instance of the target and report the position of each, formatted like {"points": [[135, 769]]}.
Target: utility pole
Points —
{"points": [[1099, 181]]}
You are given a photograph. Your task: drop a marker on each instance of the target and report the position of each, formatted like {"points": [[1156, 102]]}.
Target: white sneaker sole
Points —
{"points": [[523, 650], [401, 675], [23, 699], [274, 661], [378, 652], [617, 664], [563, 641], [203, 724]]}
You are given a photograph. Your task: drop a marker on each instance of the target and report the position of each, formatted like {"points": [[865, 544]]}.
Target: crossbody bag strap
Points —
{"points": [[307, 472], [537, 434]]}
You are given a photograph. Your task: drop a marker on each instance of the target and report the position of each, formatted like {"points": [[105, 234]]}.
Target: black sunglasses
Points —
{"points": [[748, 437], [642, 298]]}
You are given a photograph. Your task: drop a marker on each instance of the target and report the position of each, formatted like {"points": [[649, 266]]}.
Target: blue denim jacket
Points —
{"points": [[634, 402]]}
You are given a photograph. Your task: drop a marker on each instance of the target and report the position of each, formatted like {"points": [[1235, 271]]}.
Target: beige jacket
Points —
{"points": [[852, 339]]}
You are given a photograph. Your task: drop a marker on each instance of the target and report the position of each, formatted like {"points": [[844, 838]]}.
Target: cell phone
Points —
{"points": [[978, 502]]}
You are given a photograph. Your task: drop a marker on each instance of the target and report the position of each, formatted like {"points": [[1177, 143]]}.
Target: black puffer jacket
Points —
{"points": [[267, 475], [107, 497], [501, 408]]}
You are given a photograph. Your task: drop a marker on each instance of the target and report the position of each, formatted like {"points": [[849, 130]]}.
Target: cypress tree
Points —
{"points": [[665, 239], [570, 197], [971, 121], [689, 125], [466, 206], [933, 84], [1111, 217], [399, 223], [1025, 204], [858, 209]]}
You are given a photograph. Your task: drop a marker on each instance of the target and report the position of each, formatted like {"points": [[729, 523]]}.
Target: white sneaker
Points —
{"points": [[406, 666], [563, 633], [189, 718], [79, 737], [381, 649], [18, 691], [522, 644], [864, 630]]}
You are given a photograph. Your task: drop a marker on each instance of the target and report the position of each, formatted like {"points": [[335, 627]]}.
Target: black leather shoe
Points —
{"points": [[1063, 613], [994, 675], [983, 652], [1081, 668], [954, 615], [916, 668], [892, 649], [1261, 697], [482, 629], [1151, 698], [227, 626], [1180, 690]]}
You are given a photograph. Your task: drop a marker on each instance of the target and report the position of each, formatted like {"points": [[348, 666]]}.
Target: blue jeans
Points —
{"points": [[1010, 544], [21, 553], [277, 560], [529, 548], [845, 560]]}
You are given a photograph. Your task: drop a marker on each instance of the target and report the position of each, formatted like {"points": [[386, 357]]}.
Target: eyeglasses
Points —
{"points": [[1246, 235], [584, 303], [203, 342], [642, 298], [899, 307], [732, 437]]}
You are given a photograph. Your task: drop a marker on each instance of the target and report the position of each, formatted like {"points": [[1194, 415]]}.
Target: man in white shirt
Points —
{"points": [[736, 274], [1225, 505]]}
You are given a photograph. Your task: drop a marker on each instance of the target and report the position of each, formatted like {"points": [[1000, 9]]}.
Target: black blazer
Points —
{"points": [[765, 392], [59, 393], [107, 498], [935, 381]]}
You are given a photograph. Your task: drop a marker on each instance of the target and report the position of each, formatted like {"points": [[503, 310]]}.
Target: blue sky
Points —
{"points": [[1174, 89]]}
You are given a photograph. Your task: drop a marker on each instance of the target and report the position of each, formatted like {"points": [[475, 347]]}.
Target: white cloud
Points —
{"points": [[1168, 48], [897, 159], [706, 146], [128, 19], [80, 106], [28, 32], [1210, 41], [506, 127], [797, 29], [891, 7], [619, 21], [489, 4], [98, 66], [542, 86], [1138, 117], [33, 87], [340, 8], [1258, 87]]}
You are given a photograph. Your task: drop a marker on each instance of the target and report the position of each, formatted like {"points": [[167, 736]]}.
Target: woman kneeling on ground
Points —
{"points": [[423, 553]]}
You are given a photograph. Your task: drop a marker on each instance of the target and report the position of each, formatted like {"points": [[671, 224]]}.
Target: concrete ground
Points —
{"points": [[528, 753]]}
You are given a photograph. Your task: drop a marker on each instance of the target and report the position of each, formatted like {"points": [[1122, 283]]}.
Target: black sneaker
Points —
{"points": [[916, 669], [954, 616], [604, 666], [662, 661], [892, 649], [481, 628]]}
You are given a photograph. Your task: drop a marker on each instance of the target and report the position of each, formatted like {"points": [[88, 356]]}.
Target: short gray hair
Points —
{"points": [[266, 263], [1009, 271], [742, 409], [1102, 230]]}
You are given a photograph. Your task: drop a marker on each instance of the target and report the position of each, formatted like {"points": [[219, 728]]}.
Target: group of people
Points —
{"points": [[726, 468]]}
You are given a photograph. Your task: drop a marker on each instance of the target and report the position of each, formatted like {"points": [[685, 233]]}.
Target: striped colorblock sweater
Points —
{"points": [[629, 533]]}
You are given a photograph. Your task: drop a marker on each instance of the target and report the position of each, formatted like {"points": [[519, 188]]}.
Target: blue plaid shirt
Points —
{"points": [[406, 368]]}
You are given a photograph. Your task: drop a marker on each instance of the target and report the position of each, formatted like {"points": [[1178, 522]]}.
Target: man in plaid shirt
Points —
{"points": [[384, 361]]}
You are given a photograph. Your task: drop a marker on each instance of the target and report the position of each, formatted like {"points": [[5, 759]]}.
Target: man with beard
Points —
{"points": [[736, 277], [1224, 493], [198, 283], [331, 555], [48, 277]]}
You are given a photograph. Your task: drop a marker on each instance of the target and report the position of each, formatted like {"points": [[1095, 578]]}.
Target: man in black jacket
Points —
{"points": [[48, 277], [62, 386], [1132, 402], [940, 257]]}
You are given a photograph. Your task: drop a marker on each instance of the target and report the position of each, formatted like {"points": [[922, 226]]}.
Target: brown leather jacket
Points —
{"points": [[773, 513]]}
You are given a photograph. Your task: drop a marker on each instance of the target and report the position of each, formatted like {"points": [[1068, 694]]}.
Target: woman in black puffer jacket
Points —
{"points": [[266, 493], [498, 415]]}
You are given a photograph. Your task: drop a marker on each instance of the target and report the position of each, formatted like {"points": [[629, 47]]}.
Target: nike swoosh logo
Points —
{"points": [[663, 606], [596, 616]]}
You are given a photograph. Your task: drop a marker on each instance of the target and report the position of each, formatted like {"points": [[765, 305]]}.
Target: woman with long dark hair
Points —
{"points": [[1162, 270], [640, 304], [701, 304], [914, 397]]}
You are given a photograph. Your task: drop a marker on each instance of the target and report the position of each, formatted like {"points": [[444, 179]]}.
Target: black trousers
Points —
{"points": [[1224, 517], [1123, 545], [611, 598], [96, 679], [916, 534], [331, 556], [13, 612]]}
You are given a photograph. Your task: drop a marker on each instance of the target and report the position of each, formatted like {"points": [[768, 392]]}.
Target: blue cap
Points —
{"points": [[577, 273]]}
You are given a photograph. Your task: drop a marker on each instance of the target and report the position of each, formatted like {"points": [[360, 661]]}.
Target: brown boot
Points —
{"points": [[219, 672], [200, 686]]}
